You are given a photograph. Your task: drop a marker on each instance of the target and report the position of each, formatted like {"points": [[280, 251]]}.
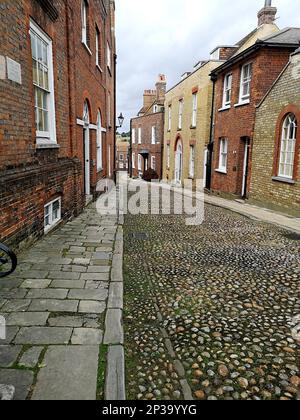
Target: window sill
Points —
{"points": [[283, 180], [221, 171], [224, 108], [87, 48], [99, 68], [242, 103], [52, 227], [42, 146]]}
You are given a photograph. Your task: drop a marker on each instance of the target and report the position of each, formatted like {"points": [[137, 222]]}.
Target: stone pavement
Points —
{"points": [[63, 311]]}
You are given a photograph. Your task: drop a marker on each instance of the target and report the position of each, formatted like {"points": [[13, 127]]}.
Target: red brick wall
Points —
{"points": [[147, 122], [30, 177], [238, 122]]}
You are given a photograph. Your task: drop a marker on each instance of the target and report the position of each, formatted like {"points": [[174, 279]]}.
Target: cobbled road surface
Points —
{"points": [[209, 309]]}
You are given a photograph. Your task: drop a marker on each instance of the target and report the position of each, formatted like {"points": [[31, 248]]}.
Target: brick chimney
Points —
{"points": [[161, 87], [267, 15], [149, 98]]}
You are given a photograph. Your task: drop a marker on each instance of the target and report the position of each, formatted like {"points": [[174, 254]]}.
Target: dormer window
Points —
{"points": [[246, 78]]}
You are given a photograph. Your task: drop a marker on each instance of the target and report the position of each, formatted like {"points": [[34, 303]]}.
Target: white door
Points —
{"points": [[86, 140], [178, 164]]}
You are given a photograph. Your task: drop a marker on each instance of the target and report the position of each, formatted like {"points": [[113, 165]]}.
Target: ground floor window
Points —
{"points": [[153, 163], [192, 162], [288, 147], [133, 160], [52, 214], [223, 155], [168, 156]]}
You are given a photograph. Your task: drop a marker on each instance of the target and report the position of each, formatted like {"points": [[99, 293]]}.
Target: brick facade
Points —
{"points": [[31, 175], [266, 188], [146, 147], [143, 153], [236, 123]]}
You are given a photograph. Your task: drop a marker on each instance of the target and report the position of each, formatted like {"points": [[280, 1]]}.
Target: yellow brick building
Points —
{"points": [[188, 108]]}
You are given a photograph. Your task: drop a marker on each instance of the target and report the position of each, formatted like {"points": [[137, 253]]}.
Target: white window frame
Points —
{"points": [[139, 163], [155, 109], [195, 110], [108, 55], [84, 22], [98, 48], [288, 147], [153, 163], [227, 90], [53, 222], [245, 81], [153, 135], [47, 137], [223, 153], [133, 135], [168, 156], [140, 135], [169, 117], [109, 109], [181, 104], [192, 162], [133, 160], [99, 143]]}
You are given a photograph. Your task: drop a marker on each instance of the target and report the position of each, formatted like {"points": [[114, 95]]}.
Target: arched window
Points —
{"points": [[86, 114], [288, 147], [99, 143]]}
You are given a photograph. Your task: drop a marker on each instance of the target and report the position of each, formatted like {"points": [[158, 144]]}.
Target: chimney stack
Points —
{"points": [[149, 98], [161, 87], [267, 15]]}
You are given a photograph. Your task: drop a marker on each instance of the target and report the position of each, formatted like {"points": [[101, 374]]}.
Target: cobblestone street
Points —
{"points": [[63, 311], [209, 309]]}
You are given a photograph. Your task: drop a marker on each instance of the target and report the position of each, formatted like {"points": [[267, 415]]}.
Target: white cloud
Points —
{"points": [[170, 36]]}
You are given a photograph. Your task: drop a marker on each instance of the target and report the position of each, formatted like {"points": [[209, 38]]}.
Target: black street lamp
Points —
{"points": [[121, 121]]}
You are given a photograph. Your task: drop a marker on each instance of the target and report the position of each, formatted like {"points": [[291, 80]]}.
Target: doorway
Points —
{"points": [[86, 145], [246, 141]]}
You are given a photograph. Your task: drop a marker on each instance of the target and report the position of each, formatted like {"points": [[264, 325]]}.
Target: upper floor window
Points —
{"points": [[155, 109], [133, 136], [133, 160], [288, 147], [246, 77], [153, 135], [180, 114], [168, 156], [169, 117], [227, 90], [195, 106], [139, 162], [43, 81], [84, 23], [98, 48], [223, 155], [109, 110], [140, 135]]}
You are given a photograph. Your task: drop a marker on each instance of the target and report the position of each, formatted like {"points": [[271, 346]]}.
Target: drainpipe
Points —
{"points": [[115, 118], [214, 78]]}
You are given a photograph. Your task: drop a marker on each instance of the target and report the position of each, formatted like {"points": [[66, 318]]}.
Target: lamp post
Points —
{"points": [[121, 121]]}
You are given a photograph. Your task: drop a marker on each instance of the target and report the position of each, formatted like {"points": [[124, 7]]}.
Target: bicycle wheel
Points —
{"points": [[8, 261]]}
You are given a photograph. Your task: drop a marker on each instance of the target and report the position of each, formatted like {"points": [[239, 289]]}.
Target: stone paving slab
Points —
{"points": [[70, 374], [67, 284], [47, 294], [115, 300], [115, 379], [21, 380], [52, 305], [87, 336], [9, 355], [35, 284], [27, 319], [91, 307], [85, 294], [30, 358], [113, 327], [43, 335]]}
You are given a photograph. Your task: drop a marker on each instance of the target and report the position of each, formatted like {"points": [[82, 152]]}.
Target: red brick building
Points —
{"points": [[147, 132], [56, 80], [240, 84]]}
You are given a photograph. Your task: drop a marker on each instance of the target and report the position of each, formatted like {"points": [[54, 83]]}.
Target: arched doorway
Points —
{"points": [[178, 162], [86, 143]]}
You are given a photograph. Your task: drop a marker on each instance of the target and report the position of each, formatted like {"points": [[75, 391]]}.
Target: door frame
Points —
{"points": [[245, 166], [178, 171]]}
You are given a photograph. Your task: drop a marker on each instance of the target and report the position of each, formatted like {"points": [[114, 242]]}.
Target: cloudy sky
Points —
{"points": [[170, 36]]}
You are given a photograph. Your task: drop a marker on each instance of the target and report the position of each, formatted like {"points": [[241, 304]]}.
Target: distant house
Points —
{"points": [[122, 154], [147, 132], [240, 85], [275, 181]]}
